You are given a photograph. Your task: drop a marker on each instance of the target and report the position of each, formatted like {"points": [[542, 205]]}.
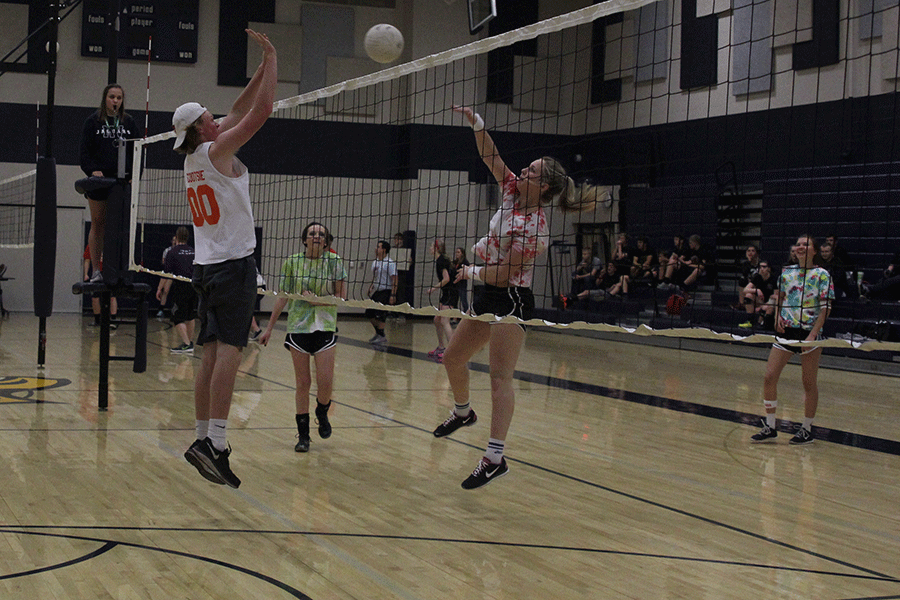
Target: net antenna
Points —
{"points": [[480, 12]]}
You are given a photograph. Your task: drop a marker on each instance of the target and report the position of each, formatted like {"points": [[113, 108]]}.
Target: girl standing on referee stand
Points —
{"points": [[311, 326], [449, 297], [518, 233], [108, 126], [804, 300]]}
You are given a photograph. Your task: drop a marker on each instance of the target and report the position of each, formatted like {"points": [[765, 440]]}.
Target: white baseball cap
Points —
{"points": [[184, 117]]}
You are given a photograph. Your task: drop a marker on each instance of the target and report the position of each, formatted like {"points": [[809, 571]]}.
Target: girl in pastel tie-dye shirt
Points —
{"points": [[804, 300]]}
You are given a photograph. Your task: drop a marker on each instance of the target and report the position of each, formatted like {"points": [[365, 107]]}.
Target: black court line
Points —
{"points": [[45, 531], [109, 545], [836, 436]]}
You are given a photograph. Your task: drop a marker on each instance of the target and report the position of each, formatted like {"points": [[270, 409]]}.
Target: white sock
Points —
{"points": [[217, 434], [202, 428], [462, 410], [494, 452], [770, 416], [807, 423]]}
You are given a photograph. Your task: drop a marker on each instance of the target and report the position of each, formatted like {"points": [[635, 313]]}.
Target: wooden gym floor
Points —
{"points": [[631, 476]]}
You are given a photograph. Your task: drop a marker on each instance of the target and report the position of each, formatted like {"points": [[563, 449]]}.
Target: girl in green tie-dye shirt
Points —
{"points": [[805, 293], [311, 326]]}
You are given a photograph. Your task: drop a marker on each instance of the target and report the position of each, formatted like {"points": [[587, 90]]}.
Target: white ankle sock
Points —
{"points": [[217, 434], [462, 410], [494, 452]]}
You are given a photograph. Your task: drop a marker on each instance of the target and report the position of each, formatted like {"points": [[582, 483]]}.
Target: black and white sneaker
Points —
{"points": [[322, 420], [192, 456], [485, 473], [254, 336], [216, 463], [454, 422], [803, 436], [766, 434]]}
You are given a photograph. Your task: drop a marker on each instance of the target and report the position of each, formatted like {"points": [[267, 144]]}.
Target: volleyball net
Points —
{"points": [[17, 210], [740, 123]]}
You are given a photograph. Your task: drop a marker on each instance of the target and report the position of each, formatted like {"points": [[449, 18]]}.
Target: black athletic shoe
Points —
{"points": [[216, 462], [803, 436], [454, 422], [766, 434], [485, 473], [322, 420], [191, 455], [302, 433]]}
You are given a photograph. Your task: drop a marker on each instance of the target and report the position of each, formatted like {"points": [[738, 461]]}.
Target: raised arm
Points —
{"points": [[486, 148], [252, 107]]}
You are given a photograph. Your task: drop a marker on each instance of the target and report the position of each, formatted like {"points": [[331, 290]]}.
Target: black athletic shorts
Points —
{"points": [[449, 296], [227, 293], [795, 333], [383, 297], [310, 343], [184, 299], [505, 301]]}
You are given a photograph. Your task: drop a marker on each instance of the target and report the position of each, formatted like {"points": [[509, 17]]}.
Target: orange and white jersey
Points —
{"points": [[220, 208]]}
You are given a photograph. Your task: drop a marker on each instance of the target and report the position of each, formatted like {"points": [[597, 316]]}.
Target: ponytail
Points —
{"points": [[571, 198]]}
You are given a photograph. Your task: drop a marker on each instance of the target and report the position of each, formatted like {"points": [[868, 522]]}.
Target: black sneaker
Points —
{"points": [[322, 420], [454, 422], [216, 462], [803, 436], [485, 473], [765, 434], [183, 349], [302, 433], [191, 455]]}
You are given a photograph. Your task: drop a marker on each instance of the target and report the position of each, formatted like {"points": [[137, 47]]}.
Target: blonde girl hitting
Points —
{"points": [[517, 235]]}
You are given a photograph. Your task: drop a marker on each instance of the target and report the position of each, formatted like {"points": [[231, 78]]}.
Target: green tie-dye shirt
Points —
{"points": [[317, 275], [806, 291]]}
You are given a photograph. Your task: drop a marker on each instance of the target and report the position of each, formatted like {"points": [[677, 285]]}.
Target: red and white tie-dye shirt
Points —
{"points": [[512, 229]]}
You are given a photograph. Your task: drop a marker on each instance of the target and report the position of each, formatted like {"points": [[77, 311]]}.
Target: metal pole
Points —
{"points": [[53, 30], [113, 40], [51, 75]]}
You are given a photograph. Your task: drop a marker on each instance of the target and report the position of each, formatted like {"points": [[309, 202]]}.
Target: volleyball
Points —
{"points": [[384, 43]]}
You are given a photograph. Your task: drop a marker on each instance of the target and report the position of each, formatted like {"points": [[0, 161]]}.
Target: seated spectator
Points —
{"points": [[662, 263], [699, 268], [759, 296], [608, 283], [750, 265], [586, 271], [888, 288], [623, 253], [644, 262], [840, 252], [838, 271], [673, 263]]}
